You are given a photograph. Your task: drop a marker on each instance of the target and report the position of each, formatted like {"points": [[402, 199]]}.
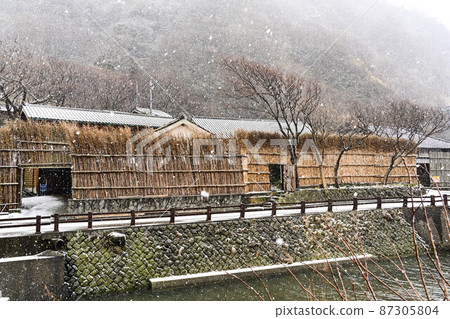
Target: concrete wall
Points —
{"points": [[111, 261], [437, 222], [38, 277], [24, 245]]}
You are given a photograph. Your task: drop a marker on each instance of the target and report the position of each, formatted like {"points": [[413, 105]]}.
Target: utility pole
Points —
{"points": [[137, 96], [151, 98]]}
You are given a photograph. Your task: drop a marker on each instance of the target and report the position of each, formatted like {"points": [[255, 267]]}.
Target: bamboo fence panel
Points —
{"points": [[357, 167], [44, 154], [9, 180], [122, 176]]}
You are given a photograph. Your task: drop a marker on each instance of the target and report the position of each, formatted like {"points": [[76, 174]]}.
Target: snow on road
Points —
{"points": [[49, 205], [41, 205]]}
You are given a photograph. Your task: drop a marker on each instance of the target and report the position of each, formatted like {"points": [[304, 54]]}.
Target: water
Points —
{"points": [[284, 286]]}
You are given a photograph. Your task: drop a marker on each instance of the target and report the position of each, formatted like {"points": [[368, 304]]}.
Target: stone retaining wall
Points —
{"points": [[106, 261], [149, 203], [317, 194]]}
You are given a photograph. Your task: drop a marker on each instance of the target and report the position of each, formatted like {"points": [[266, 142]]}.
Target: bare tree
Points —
{"points": [[25, 78], [407, 125], [286, 98], [322, 123], [20, 76], [357, 122]]}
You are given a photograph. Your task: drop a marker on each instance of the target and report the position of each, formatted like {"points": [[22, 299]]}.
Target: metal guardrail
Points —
{"points": [[133, 216]]}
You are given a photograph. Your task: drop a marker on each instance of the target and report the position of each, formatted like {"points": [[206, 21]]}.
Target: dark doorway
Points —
{"points": [[422, 174], [276, 176], [55, 181]]}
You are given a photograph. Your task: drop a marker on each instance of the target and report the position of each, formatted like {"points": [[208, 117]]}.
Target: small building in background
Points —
{"points": [[433, 162]]}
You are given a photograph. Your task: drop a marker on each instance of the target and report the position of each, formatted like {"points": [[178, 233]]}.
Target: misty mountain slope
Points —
{"points": [[387, 52]]}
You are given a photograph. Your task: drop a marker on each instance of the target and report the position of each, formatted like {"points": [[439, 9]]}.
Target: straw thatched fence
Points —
{"points": [[115, 176], [9, 180], [102, 168]]}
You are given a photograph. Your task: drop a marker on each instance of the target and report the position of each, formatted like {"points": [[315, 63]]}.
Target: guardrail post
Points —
{"points": [[405, 201], [433, 200], [330, 205], [242, 211], [274, 209], [378, 202], [89, 220], [172, 215], [56, 223], [38, 225], [355, 203], [133, 218], [303, 207], [208, 213], [445, 200]]}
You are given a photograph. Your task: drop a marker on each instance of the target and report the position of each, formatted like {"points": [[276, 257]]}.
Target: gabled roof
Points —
{"points": [[182, 127], [53, 113], [226, 127]]}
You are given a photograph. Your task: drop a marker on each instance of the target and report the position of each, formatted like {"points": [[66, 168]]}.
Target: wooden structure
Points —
{"points": [[119, 162], [433, 161], [361, 166]]}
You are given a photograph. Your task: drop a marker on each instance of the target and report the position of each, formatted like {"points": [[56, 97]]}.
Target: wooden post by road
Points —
{"points": [[208, 213], [242, 211], [38, 225], [56, 223], [274, 209]]}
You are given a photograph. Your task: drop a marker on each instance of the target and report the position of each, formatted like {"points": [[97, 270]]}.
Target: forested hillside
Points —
{"points": [[386, 52]]}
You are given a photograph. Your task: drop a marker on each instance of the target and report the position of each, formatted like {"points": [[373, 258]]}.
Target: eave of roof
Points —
{"points": [[86, 116]]}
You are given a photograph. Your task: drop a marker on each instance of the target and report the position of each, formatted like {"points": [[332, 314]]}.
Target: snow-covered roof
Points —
{"points": [[434, 143], [226, 127], [53, 113], [153, 112]]}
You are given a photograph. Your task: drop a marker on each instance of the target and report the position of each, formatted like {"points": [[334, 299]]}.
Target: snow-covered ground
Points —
{"points": [[41, 205], [48, 205]]}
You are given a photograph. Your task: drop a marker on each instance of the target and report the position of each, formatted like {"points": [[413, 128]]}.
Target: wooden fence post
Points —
{"points": [[378, 202], [133, 218], [242, 211], [330, 205], [208, 213], [274, 209], [303, 207], [405, 201], [89, 220], [355, 203], [172, 215], [433, 200], [56, 223], [445, 200], [38, 225]]}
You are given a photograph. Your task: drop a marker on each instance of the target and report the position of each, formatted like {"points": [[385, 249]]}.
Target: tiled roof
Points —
{"points": [[52, 113]]}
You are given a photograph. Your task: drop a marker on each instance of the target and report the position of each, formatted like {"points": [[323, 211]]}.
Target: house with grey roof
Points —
{"points": [[38, 112], [433, 162]]}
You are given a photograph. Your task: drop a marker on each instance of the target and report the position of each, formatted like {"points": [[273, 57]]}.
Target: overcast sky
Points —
{"points": [[439, 9]]}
